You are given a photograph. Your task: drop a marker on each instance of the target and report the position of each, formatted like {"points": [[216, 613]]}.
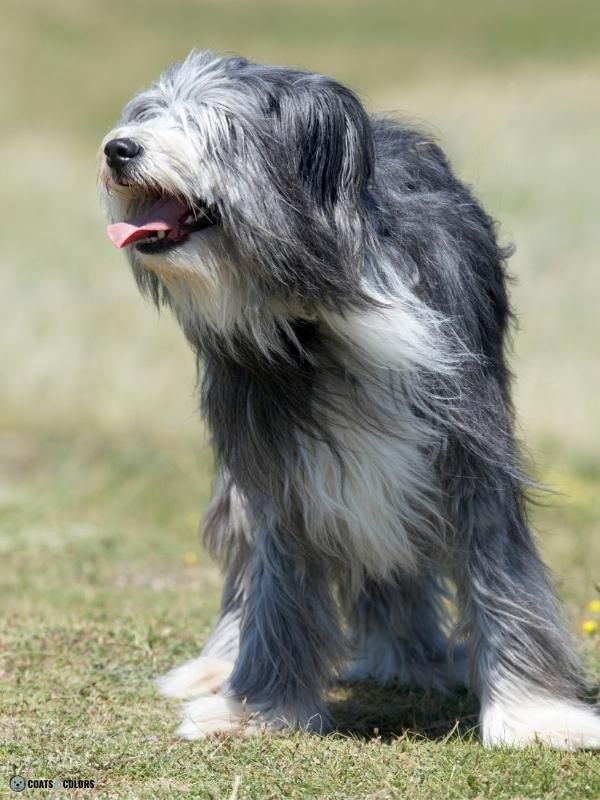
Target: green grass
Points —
{"points": [[99, 599], [111, 47], [104, 468]]}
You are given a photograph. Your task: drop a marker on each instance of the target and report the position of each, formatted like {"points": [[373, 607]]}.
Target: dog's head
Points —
{"points": [[230, 172]]}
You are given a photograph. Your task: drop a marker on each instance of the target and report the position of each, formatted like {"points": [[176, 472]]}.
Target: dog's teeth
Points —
{"points": [[189, 219], [161, 234]]}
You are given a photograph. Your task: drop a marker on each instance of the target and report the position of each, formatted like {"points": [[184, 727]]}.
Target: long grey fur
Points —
{"points": [[349, 312]]}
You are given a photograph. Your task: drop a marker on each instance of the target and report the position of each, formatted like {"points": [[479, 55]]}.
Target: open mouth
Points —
{"points": [[165, 225]]}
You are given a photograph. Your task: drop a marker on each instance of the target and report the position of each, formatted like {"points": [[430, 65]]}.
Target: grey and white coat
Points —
{"points": [[345, 295]]}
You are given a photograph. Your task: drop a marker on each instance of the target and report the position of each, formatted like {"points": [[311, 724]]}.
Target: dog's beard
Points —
{"points": [[172, 239]]}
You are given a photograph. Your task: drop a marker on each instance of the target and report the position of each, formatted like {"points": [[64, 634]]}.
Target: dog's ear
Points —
{"points": [[330, 141]]}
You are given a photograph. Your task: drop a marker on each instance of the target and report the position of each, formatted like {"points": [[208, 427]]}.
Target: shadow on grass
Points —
{"points": [[366, 711]]}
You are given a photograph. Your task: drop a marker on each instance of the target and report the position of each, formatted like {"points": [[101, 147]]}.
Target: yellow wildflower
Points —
{"points": [[589, 626]]}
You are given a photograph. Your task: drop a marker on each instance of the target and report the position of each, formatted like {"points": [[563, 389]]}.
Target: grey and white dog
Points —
{"points": [[346, 296]]}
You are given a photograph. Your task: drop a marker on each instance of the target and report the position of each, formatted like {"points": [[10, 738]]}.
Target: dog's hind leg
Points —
{"points": [[399, 635], [523, 664]]}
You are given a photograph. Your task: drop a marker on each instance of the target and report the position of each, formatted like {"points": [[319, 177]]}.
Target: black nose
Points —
{"points": [[119, 152]]}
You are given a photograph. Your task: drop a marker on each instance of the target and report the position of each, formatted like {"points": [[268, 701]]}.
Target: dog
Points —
{"points": [[345, 295]]}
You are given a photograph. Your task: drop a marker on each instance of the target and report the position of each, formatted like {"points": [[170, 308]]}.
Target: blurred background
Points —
{"points": [[104, 465]]}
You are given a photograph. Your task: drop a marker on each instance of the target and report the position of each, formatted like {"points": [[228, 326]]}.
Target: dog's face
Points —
{"points": [[233, 172]]}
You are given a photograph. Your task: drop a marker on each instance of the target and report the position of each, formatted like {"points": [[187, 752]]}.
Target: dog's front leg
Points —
{"points": [[289, 646]]}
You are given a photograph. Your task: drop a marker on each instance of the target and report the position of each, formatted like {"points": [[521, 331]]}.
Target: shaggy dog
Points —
{"points": [[346, 296]]}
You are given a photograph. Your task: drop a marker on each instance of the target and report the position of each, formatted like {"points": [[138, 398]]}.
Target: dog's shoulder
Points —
{"points": [[410, 152]]}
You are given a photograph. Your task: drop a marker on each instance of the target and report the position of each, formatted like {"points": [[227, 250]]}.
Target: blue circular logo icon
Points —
{"points": [[17, 783]]}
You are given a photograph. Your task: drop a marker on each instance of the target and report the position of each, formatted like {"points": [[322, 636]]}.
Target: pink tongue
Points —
{"points": [[163, 216]]}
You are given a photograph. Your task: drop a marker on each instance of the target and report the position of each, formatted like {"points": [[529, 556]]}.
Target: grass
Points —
{"points": [[104, 468], [103, 594]]}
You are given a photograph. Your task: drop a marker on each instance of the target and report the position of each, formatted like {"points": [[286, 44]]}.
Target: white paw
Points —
{"points": [[523, 720], [216, 713], [201, 676]]}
